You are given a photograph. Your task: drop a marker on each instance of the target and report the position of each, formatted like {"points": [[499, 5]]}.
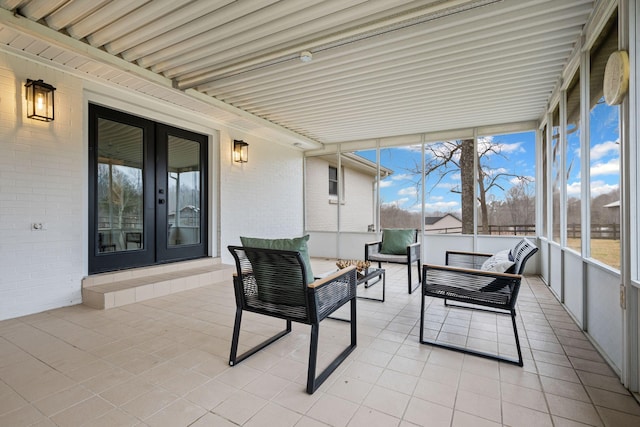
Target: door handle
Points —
{"points": [[161, 201]]}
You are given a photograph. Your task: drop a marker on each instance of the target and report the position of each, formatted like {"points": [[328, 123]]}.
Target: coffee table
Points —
{"points": [[367, 275]]}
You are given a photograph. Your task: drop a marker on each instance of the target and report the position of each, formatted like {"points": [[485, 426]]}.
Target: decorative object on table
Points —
{"points": [[361, 265]]}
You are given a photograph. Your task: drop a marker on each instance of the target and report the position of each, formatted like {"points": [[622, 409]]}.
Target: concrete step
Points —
{"points": [[118, 288]]}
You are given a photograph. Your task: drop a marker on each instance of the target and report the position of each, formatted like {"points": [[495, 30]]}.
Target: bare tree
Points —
{"points": [[520, 203], [119, 194], [391, 216], [451, 157]]}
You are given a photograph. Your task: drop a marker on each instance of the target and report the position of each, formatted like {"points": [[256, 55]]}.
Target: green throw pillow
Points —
{"points": [[396, 240], [296, 244]]}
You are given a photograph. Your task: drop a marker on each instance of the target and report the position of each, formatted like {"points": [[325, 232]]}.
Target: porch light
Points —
{"points": [[240, 151], [39, 100]]}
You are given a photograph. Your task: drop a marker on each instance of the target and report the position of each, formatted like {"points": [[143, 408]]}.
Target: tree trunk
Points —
{"points": [[482, 195], [467, 154]]}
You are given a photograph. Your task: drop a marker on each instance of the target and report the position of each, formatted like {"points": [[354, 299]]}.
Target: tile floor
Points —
{"points": [[163, 362]]}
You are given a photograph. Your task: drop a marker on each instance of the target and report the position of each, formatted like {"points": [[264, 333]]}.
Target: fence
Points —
{"points": [[598, 231]]}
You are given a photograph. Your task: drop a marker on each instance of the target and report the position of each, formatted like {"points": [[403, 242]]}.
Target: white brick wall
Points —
{"points": [[41, 180], [321, 215], [357, 209], [260, 198], [43, 173]]}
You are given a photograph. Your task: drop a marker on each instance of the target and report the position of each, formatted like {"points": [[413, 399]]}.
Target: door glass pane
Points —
{"points": [[120, 189], [183, 196]]}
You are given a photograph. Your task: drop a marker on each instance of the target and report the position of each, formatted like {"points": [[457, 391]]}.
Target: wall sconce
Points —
{"points": [[39, 100], [240, 151]]}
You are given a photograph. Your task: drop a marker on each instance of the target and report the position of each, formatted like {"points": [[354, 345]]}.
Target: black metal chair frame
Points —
{"points": [[302, 302], [372, 253], [464, 282]]}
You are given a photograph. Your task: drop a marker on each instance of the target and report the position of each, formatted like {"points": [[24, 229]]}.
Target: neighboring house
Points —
{"points": [[356, 194], [189, 216], [445, 224]]}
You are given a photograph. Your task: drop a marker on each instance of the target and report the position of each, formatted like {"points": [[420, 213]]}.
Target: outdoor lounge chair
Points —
{"points": [[482, 280], [275, 283], [399, 246]]}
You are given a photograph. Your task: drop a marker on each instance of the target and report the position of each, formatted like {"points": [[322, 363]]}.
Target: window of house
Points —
{"points": [[333, 181]]}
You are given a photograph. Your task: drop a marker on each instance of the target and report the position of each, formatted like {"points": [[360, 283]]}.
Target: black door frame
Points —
{"points": [[164, 252], [153, 180]]}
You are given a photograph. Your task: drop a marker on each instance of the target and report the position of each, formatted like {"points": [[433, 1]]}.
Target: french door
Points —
{"points": [[147, 192]]}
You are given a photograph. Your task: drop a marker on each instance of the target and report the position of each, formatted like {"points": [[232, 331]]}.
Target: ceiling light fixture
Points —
{"points": [[306, 56]]}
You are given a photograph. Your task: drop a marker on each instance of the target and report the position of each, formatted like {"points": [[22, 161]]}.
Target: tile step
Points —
{"points": [[109, 290]]}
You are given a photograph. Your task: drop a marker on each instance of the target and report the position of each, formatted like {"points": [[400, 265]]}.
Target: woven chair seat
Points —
{"points": [[470, 287], [273, 283], [462, 279]]}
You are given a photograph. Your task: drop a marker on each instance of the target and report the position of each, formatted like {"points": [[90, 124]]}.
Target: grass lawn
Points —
{"points": [[604, 250]]}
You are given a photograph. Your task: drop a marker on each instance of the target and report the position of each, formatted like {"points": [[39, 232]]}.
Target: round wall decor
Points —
{"points": [[616, 77]]}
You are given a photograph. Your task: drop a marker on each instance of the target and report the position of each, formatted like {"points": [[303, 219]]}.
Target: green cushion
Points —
{"points": [[396, 240], [296, 244]]}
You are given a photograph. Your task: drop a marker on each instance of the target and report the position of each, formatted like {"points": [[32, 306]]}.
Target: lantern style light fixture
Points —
{"points": [[240, 151], [39, 100]]}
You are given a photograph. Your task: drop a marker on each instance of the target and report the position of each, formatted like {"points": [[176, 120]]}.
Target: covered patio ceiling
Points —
{"points": [[379, 68]]}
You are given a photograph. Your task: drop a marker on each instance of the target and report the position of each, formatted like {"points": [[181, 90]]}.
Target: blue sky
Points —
{"points": [[518, 158], [400, 189], [604, 153]]}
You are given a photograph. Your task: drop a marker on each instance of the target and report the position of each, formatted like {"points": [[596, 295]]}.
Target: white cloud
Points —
{"points": [[487, 141], [494, 172], [573, 189], [446, 186], [441, 206], [408, 191], [414, 147], [598, 151], [597, 188], [600, 187], [517, 181], [612, 167], [401, 177], [442, 149], [397, 203], [511, 148]]}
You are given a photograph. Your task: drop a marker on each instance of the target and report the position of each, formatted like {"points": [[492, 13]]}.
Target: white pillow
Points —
{"points": [[499, 262]]}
